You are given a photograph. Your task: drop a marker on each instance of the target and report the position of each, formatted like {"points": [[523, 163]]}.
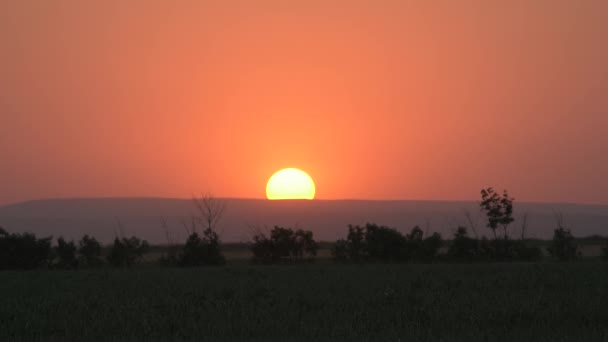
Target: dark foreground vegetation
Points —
{"points": [[369, 243], [382, 285], [544, 301]]}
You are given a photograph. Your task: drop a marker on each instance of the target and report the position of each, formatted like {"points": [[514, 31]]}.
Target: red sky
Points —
{"points": [[374, 99]]}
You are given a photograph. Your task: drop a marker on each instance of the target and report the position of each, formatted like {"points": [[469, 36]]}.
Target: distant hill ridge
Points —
{"points": [[328, 219]]}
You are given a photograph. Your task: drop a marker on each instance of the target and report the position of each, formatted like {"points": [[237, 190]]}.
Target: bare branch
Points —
{"points": [[210, 210], [524, 225], [186, 227], [165, 226], [120, 229], [559, 219], [472, 223]]}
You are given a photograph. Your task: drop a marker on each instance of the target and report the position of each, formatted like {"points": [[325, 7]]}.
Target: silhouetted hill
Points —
{"points": [[72, 218]]}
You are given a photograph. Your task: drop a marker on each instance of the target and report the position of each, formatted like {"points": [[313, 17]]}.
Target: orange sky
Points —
{"points": [[387, 99]]}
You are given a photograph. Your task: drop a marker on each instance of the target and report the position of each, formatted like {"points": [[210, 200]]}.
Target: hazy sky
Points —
{"points": [[374, 99]]}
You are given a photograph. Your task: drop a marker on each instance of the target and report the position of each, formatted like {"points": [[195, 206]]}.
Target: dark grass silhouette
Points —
{"points": [[311, 302]]}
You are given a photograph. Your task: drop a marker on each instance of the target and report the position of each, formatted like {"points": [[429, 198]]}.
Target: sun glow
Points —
{"points": [[290, 184]]}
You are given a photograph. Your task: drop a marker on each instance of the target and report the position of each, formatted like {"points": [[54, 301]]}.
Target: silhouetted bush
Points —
{"points": [[384, 244], [170, 258], [463, 247], [563, 246], [263, 249], [503, 249], [431, 246], [284, 244], [127, 252], [353, 248], [90, 252], [418, 248], [23, 251], [66, 254], [524, 252], [201, 251], [339, 250], [380, 243], [605, 251], [414, 244], [513, 250]]}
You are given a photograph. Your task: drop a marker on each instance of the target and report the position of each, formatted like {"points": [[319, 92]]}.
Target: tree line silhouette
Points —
{"points": [[369, 243]]}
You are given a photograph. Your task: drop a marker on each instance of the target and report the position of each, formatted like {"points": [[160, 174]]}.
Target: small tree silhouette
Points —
{"points": [[90, 252], [419, 248], [429, 248], [498, 210], [463, 247], [127, 252], [563, 246], [210, 210], [304, 244], [353, 248], [384, 243], [66, 254], [201, 251], [380, 243], [23, 251], [284, 243]]}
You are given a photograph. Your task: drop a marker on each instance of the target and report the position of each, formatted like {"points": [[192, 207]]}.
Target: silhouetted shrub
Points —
{"points": [[525, 252], [605, 251], [463, 247], [384, 244], [284, 244], [339, 250], [353, 248], [263, 249], [430, 247], [486, 248], [380, 243], [170, 258], [90, 252], [127, 252], [66, 254], [201, 251], [563, 246], [418, 248], [413, 244], [503, 249], [23, 251]]}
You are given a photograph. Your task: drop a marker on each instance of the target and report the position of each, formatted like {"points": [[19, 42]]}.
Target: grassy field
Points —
{"points": [[313, 302]]}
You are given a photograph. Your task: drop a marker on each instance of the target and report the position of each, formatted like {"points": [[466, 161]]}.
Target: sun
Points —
{"points": [[290, 184]]}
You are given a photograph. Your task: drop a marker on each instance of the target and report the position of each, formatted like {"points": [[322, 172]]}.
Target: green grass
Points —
{"points": [[315, 302]]}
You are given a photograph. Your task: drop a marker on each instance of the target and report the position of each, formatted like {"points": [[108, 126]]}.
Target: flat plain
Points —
{"points": [[323, 301]]}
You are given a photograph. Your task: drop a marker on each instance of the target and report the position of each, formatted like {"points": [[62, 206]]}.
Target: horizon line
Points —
{"points": [[84, 198]]}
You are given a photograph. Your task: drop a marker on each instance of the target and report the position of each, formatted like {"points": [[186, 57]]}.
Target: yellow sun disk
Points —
{"points": [[290, 184]]}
